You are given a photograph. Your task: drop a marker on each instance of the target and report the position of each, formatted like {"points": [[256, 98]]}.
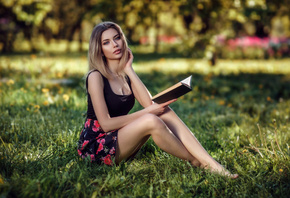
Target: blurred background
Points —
{"points": [[228, 29]]}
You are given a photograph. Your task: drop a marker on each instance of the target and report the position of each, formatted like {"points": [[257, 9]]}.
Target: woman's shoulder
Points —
{"points": [[94, 76]]}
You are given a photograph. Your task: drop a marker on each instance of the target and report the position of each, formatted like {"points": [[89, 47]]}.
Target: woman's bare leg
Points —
{"points": [[190, 142], [130, 137]]}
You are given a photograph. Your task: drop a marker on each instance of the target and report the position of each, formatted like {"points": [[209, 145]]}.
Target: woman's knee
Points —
{"points": [[153, 122]]}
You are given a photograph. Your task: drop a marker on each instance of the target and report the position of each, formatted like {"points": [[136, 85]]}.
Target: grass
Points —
{"points": [[239, 111]]}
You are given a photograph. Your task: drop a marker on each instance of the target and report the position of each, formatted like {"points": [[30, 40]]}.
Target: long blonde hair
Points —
{"points": [[95, 57]]}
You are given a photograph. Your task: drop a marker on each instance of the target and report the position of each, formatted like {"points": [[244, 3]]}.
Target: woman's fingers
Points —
{"points": [[168, 102]]}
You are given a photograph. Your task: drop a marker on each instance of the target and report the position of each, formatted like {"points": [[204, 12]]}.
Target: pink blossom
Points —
{"points": [[112, 151], [92, 157], [101, 147], [107, 160], [84, 144], [88, 123], [100, 135]]}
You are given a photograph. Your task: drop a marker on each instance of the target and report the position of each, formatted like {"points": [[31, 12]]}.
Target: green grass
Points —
{"points": [[239, 111]]}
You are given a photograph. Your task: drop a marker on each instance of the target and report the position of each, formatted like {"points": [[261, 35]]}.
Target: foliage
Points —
{"points": [[193, 23], [42, 115]]}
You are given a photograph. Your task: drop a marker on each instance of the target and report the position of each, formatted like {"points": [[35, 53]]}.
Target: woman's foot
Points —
{"points": [[222, 171]]}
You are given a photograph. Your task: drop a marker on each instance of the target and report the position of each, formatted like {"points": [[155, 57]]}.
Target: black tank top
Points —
{"points": [[117, 104]]}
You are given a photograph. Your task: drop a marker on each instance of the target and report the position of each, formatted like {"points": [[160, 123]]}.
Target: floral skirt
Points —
{"points": [[96, 144]]}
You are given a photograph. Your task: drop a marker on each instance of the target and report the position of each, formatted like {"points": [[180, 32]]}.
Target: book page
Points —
{"points": [[187, 81]]}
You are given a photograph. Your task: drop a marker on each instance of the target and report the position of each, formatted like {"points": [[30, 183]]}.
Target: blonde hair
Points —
{"points": [[96, 60]]}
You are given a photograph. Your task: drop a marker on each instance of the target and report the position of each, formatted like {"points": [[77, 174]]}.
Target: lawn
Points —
{"points": [[239, 110]]}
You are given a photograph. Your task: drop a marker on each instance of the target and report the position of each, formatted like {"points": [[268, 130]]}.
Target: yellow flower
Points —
{"points": [[45, 103], [45, 90], [23, 90], [27, 109], [1, 180], [10, 82], [33, 56], [280, 170], [245, 150], [59, 74], [65, 97], [194, 99], [269, 98], [206, 182], [222, 102], [36, 106]]}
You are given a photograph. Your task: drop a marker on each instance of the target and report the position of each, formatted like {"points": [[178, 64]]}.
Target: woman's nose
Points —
{"points": [[115, 44]]}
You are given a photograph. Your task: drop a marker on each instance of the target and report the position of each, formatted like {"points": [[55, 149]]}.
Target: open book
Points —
{"points": [[174, 91]]}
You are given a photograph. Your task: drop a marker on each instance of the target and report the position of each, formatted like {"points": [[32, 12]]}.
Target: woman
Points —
{"points": [[110, 133]]}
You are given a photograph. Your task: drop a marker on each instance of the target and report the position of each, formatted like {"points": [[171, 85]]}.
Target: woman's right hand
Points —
{"points": [[159, 109]]}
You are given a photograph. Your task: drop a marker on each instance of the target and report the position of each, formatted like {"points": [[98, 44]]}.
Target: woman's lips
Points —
{"points": [[118, 51]]}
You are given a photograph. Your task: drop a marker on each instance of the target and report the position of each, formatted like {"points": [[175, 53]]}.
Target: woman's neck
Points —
{"points": [[113, 66]]}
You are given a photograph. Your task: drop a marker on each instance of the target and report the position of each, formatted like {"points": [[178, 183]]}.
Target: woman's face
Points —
{"points": [[112, 44]]}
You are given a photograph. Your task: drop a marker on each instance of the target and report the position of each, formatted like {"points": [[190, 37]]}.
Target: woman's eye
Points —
{"points": [[118, 38], [106, 43]]}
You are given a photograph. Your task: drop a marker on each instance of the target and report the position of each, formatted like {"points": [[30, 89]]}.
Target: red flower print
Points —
{"points": [[92, 157], [96, 126], [101, 141], [79, 152], [112, 151], [107, 160], [84, 144], [88, 123], [100, 135]]}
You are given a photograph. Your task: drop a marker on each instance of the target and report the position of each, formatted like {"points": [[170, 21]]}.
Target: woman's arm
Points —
{"points": [[95, 89], [140, 91]]}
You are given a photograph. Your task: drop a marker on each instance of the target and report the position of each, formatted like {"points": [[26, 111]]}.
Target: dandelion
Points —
{"points": [[10, 82], [36, 108], [222, 102], [23, 90], [230, 105], [65, 97], [281, 170], [1, 180], [245, 150], [27, 109], [45, 103], [269, 98], [45, 90], [59, 74], [33, 56]]}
